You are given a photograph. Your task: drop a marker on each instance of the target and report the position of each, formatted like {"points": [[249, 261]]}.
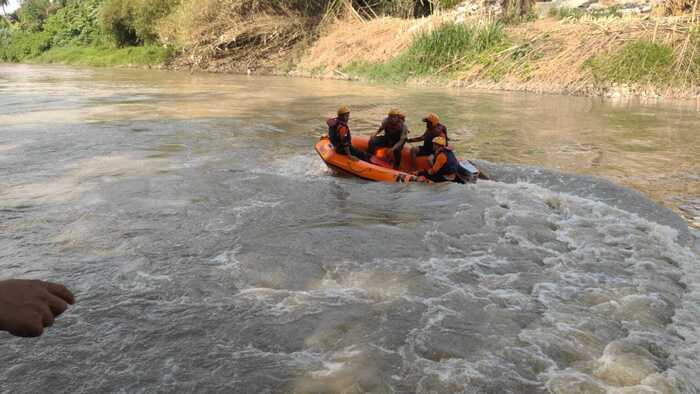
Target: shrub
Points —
{"points": [[637, 62], [105, 57], [33, 13], [75, 24], [446, 48], [451, 41], [24, 44], [133, 22]]}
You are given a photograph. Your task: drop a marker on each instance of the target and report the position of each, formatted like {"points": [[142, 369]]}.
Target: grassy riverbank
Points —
{"points": [[565, 51], [143, 56], [582, 56]]}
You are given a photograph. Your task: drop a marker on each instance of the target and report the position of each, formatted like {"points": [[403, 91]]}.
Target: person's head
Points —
{"points": [[344, 113], [439, 143], [395, 114], [431, 120]]}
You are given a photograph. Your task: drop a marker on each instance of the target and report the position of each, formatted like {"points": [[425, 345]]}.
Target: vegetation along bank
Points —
{"points": [[611, 47]]}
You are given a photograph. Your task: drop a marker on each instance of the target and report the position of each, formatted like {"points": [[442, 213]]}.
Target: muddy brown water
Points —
{"points": [[210, 250]]}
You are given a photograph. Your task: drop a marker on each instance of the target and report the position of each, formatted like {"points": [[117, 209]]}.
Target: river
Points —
{"points": [[210, 250]]}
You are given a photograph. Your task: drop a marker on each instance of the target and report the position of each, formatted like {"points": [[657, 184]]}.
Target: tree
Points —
{"points": [[32, 14], [3, 4]]}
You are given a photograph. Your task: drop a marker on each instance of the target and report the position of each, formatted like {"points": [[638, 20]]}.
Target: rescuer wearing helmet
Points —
{"points": [[433, 129], [394, 138], [339, 134], [445, 165]]}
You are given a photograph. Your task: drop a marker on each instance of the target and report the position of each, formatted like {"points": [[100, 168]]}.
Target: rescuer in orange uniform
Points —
{"points": [[433, 129], [445, 166], [394, 138], [339, 134]]}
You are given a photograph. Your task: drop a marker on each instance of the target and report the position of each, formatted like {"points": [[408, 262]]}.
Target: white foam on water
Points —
{"points": [[153, 277], [227, 261], [598, 234], [300, 166], [329, 368], [607, 291]]}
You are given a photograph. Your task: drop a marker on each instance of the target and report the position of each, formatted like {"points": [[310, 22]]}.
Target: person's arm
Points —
{"points": [[416, 139], [380, 129], [402, 140], [343, 132], [27, 306], [440, 161]]}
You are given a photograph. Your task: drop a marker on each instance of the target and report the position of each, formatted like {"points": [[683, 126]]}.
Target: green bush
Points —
{"points": [[24, 44], [133, 22], [445, 49], [148, 55], [5, 31], [75, 24], [566, 12], [37, 31], [33, 13], [637, 62]]}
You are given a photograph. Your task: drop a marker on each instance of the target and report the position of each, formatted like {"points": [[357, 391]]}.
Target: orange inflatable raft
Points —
{"points": [[380, 168]]}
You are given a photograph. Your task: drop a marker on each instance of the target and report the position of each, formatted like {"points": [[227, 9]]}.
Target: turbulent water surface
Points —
{"points": [[211, 251]]}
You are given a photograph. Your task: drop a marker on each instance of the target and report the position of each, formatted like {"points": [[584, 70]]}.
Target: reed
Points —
{"points": [[640, 61], [442, 50]]}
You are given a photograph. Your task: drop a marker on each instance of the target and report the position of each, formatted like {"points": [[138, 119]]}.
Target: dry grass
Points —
{"points": [[549, 56], [321, 37], [257, 35], [376, 41], [239, 35], [345, 41], [679, 7], [546, 55]]}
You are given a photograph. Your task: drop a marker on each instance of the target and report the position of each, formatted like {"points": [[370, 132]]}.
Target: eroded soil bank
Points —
{"points": [[653, 57]]}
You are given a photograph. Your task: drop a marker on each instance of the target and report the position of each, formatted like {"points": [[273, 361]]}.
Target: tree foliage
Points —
{"points": [[75, 24], [133, 22], [33, 13]]}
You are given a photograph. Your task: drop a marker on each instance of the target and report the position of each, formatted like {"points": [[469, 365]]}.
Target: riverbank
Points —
{"points": [[140, 56], [613, 57], [579, 51]]}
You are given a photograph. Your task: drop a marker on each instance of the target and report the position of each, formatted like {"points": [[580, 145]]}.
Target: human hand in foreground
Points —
{"points": [[27, 306]]}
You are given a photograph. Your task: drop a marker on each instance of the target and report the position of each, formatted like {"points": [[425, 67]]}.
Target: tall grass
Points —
{"points": [[639, 62], [105, 57], [447, 48]]}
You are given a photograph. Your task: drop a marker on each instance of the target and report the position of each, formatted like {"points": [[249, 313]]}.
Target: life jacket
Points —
{"points": [[439, 130], [394, 130], [339, 134], [451, 166]]}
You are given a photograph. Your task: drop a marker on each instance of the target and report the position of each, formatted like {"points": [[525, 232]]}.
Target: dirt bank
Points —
{"points": [[545, 56]]}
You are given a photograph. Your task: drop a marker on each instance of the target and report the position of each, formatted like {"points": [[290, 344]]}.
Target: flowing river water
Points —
{"points": [[210, 250]]}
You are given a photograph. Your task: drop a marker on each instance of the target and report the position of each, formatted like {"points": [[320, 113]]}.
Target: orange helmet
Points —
{"points": [[432, 119], [395, 112], [343, 110]]}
